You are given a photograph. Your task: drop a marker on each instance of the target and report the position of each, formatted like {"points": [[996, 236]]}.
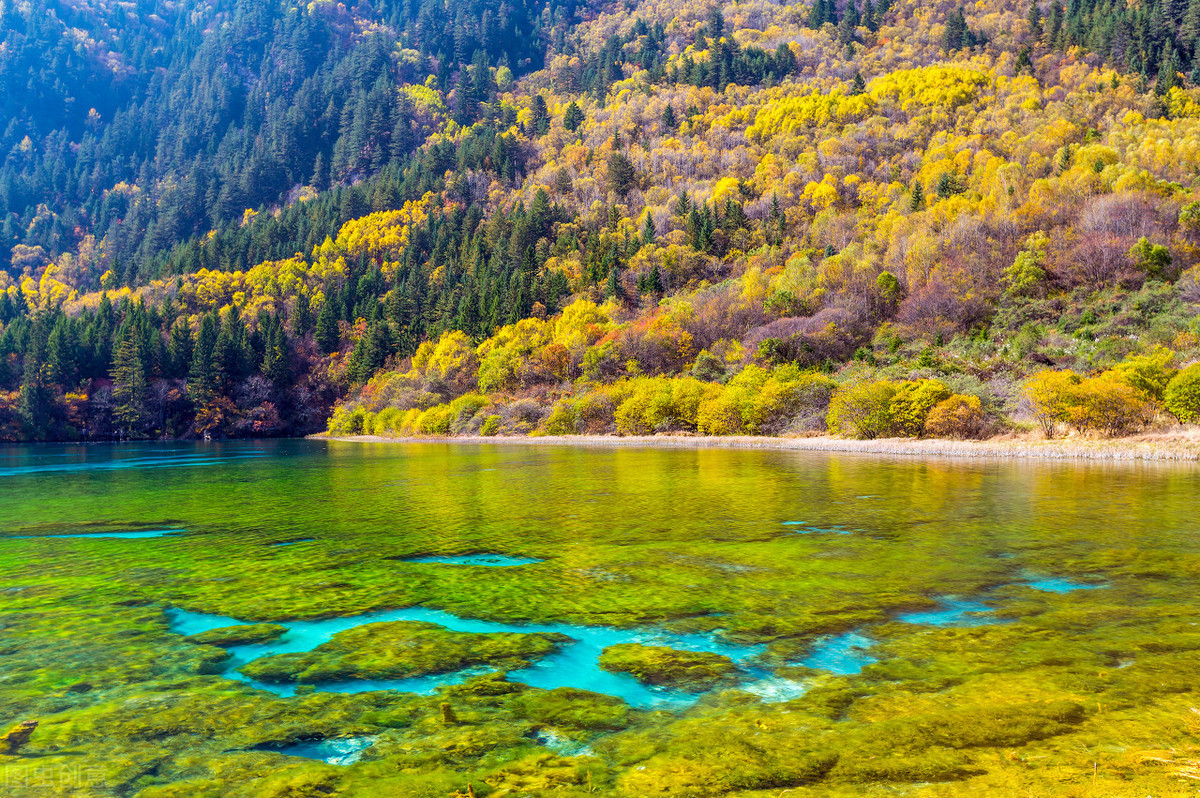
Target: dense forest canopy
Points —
{"points": [[145, 126], [226, 219]]}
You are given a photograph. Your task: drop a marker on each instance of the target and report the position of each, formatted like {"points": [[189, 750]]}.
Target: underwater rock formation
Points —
{"points": [[18, 736]]}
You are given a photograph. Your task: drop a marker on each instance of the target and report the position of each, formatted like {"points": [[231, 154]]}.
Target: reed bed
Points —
{"points": [[1180, 446]]}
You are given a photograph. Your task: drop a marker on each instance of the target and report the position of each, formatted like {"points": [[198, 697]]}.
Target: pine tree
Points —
{"points": [[327, 336], [1168, 73], [955, 32], [179, 350], [36, 404], [648, 230], [668, 118], [849, 22], [202, 378], [613, 289], [275, 364], [541, 115], [621, 174], [1034, 18], [130, 390], [63, 354], [918, 197], [654, 282], [572, 117]]}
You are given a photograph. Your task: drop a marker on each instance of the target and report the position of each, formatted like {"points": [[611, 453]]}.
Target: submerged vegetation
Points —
{"points": [[1042, 687], [697, 671], [399, 650]]}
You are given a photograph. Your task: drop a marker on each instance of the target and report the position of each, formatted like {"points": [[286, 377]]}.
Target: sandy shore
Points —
{"points": [[1182, 445]]}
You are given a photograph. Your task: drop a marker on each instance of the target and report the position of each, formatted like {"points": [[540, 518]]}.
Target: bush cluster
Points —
{"points": [[906, 409]]}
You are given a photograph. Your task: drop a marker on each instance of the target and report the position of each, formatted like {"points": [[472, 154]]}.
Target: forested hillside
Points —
{"points": [[897, 218]]}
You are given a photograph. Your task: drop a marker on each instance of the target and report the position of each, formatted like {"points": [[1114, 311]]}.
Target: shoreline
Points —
{"points": [[1183, 446]]}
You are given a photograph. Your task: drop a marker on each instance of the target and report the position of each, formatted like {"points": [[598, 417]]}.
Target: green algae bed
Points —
{"points": [[398, 650], [1078, 693], [687, 670]]}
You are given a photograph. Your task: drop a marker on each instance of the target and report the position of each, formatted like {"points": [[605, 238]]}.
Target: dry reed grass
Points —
{"points": [[1182, 445]]}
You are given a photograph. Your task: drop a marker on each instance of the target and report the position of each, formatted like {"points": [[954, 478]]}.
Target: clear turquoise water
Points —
{"points": [[485, 560], [699, 550]]}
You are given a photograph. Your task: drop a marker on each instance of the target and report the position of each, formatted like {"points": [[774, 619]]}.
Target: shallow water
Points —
{"points": [[575, 665], [149, 533], [334, 751], [489, 560], [887, 580]]}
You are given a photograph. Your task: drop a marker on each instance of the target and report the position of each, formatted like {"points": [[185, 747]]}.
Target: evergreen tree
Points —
{"points": [[668, 118], [36, 404], [621, 174], [130, 391], [572, 117], [917, 201], [275, 362], [541, 115], [63, 353], [179, 350], [654, 281], [202, 379], [327, 336], [648, 231], [1034, 18], [848, 23]]}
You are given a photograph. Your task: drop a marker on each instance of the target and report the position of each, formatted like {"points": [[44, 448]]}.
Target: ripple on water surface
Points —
{"points": [[164, 460]]}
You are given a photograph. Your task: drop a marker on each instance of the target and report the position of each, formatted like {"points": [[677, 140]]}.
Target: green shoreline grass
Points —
{"points": [[1181, 446]]}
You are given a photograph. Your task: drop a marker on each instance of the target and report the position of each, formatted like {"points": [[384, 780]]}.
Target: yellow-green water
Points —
{"points": [[905, 626]]}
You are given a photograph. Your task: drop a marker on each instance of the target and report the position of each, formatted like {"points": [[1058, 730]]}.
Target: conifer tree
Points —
{"points": [[327, 336], [648, 231], [572, 117], [130, 390], [917, 202]]}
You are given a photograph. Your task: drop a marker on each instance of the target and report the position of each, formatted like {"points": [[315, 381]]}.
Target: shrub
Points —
{"points": [[708, 367], [387, 420], [631, 413], [789, 394], [722, 414], [1182, 395], [1109, 405], [594, 413], [862, 410], [346, 421], [563, 418], [958, 416], [911, 404], [435, 420], [521, 417], [1048, 392], [491, 425], [1148, 373], [658, 404]]}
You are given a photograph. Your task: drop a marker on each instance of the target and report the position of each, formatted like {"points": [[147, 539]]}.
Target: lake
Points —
{"points": [[275, 616]]}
